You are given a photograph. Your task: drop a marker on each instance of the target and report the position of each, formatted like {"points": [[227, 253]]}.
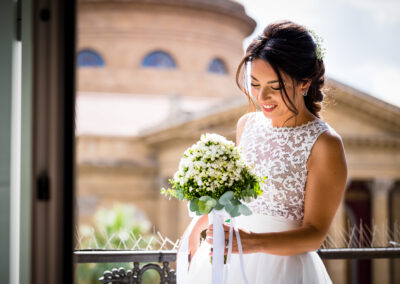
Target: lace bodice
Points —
{"points": [[281, 154]]}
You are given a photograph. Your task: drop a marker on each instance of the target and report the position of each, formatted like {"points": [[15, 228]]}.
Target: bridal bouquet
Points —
{"points": [[213, 175], [215, 179]]}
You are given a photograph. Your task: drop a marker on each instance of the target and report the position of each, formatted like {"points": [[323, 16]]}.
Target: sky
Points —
{"points": [[361, 38]]}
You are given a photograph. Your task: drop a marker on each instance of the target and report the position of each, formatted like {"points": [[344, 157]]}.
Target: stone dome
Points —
{"points": [[199, 41]]}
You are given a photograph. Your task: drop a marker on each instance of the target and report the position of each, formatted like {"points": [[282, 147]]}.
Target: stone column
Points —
{"points": [[380, 189]]}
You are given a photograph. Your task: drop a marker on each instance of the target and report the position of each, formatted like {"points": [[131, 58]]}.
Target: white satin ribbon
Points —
{"points": [[216, 218], [182, 264], [233, 224], [219, 272]]}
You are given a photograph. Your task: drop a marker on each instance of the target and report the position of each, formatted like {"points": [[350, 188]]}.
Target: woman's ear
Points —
{"points": [[304, 85]]}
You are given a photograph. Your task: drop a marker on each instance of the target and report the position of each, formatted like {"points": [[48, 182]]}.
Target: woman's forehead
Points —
{"points": [[262, 71]]}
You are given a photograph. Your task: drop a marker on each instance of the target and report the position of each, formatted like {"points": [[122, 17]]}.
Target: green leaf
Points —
{"points": [[204, 208], [210, 202], [244, 210], [179, 194], [194, 205], [202, 205], [247, 199], [218, 206], [226, 197], [232, 209], [229, 208], [235, 202]]}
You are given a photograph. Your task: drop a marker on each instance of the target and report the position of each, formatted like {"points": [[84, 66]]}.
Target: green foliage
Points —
{"points": [[117, 228], [230, 198], [202, 202]]}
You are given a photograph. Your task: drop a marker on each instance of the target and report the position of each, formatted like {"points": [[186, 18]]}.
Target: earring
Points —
{"points": [[305, 94]]}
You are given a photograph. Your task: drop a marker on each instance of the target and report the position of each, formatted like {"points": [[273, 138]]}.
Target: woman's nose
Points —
{"points": [[262, 94]]}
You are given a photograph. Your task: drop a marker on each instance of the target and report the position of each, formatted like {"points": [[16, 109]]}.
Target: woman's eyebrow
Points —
{"points": [[269, 82]]}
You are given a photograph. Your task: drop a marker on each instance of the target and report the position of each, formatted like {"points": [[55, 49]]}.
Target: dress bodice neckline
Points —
{"points": [[287, 128]]}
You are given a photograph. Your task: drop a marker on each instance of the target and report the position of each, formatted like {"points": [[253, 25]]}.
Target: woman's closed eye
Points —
{"points": [[273, 88]]}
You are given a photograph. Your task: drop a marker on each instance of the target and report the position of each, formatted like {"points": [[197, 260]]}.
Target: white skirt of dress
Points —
{"points": [[263, 268]]}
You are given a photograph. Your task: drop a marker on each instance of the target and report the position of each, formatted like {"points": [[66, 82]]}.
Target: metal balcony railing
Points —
{"points": [[160, 261]]}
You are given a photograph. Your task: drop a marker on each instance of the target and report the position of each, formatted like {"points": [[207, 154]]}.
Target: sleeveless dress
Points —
{"points": [[281, 154]]}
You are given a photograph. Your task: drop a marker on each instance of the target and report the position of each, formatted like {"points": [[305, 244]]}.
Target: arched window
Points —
{"points": [[217, 66], [158, 59], [89, 58]]}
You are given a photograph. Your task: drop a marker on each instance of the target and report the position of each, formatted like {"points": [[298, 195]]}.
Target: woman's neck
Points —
{"points": [[292, 120]]}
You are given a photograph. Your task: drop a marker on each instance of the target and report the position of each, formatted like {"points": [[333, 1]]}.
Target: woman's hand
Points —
{"points": [[247, 239]]}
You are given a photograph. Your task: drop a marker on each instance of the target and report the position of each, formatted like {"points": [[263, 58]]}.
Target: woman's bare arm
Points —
{"points": [[194, 238]]}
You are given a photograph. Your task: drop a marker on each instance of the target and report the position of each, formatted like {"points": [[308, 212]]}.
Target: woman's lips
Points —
{"points": [[268, 107]]}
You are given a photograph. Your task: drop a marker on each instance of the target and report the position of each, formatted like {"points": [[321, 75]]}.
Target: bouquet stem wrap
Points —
{"points": [[219, 271]]}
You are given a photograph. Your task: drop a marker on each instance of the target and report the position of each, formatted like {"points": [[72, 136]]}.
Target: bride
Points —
{"points": [[301, 154]]}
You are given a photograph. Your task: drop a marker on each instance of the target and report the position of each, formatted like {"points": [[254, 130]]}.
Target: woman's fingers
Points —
{"points": [[210, 231], [209, 234], [226, 251]]}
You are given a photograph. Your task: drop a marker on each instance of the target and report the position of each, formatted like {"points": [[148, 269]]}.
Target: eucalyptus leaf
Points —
{"points": [[209, 202], [193, 205], [205, 206], [247, 199], [244, 210], [205, 198], [235, 202], [226, 197], [233, 210], [229, 208], [202, 205], [179, 194], [218, 206]]}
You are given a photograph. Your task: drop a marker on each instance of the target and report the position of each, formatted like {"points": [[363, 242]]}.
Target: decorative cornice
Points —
{"points": [[379, 111], [373, 141], [365, 104], [120, 165], [191, 125]]}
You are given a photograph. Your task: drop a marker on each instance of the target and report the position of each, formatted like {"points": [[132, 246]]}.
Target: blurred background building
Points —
{"points": [[153, 75]]}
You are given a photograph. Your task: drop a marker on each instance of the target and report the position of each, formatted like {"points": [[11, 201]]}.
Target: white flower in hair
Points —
{"points": [[320, 50]]}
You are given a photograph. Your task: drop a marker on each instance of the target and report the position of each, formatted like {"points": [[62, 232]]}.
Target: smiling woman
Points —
{"points": [[302, 156], [286, 72]]}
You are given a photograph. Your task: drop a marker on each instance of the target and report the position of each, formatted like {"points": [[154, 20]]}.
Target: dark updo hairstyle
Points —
{"points": [[289, 48]]}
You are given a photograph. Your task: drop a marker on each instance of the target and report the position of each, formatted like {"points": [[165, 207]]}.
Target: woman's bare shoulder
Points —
{"points": [[243, 119], [329, 146], [241, 124], [329, 141]]}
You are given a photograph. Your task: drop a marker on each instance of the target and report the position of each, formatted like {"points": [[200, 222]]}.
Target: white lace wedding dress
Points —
{"points": [[281, 154]]}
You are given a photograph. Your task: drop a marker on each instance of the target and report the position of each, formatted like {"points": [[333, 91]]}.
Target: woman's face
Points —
{"points": [[266, 91]]}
